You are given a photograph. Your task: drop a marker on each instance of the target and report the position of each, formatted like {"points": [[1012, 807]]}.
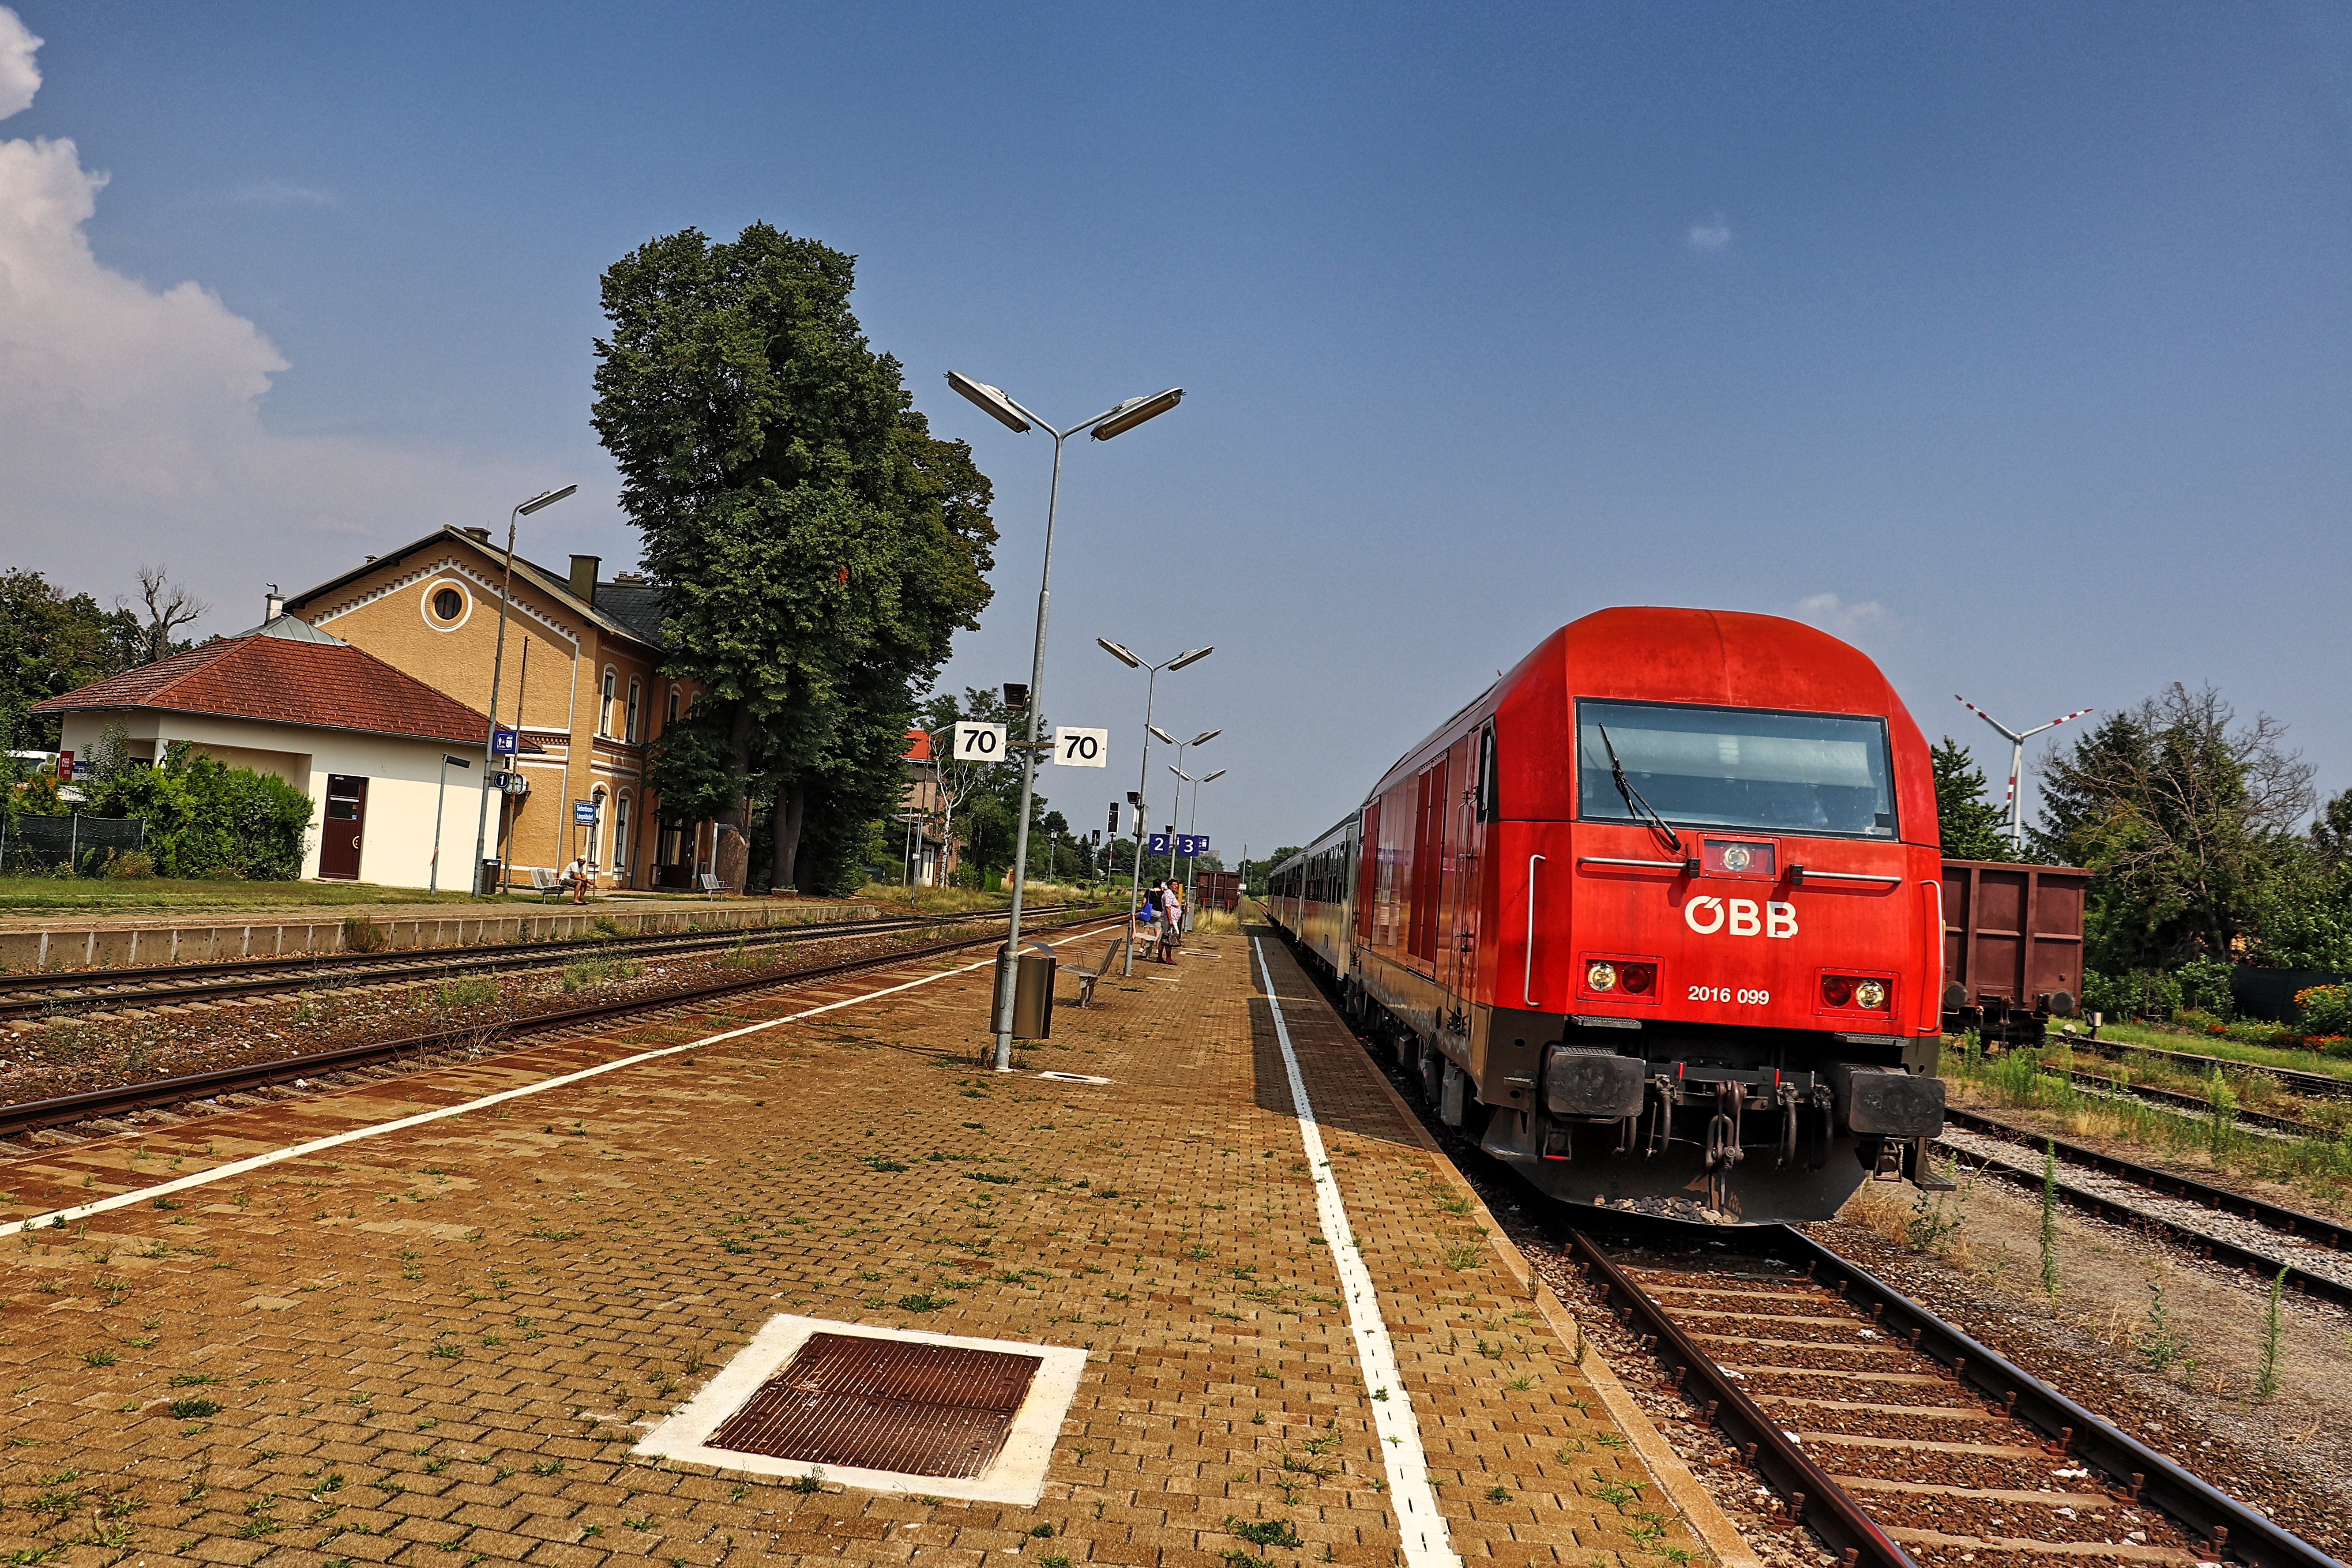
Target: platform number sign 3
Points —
{"points": [[1081, 748], [1189, 844], [978, 743]]}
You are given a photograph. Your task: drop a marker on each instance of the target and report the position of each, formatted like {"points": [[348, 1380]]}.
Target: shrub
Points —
{"points": [[2142, 993], [2205, 986], [2326, 1009], [205, 818]]}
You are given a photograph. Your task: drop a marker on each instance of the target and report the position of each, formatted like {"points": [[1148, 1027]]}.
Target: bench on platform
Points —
{"points": [[1086, 977], [708, 883], [547, 884]]}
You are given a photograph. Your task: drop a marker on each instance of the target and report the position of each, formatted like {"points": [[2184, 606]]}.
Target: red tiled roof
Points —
{"points": [[327, 686]]}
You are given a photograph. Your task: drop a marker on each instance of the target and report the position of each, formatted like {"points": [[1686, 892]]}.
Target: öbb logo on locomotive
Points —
{"points": [[1572, 913]]}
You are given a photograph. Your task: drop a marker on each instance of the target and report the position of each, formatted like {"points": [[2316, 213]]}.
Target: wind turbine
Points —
{"points": [[2015, 805]]}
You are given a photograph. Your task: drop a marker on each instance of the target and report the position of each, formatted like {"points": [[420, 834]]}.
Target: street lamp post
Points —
{"points": [[1114, 421], [1192, 827], [440, 796], [497, 668], [1181, 746], [1143, 768]]}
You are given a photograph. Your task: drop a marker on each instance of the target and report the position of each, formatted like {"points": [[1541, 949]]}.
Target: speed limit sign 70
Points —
{"points": [[978, 743], [1081, 748]]}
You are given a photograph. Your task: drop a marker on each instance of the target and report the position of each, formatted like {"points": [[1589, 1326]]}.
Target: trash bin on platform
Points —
{"points": [[1032, 993], [488, 883]]}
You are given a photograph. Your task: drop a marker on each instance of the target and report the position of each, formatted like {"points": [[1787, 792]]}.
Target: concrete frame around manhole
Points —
{"points": [[1016, 1476]]}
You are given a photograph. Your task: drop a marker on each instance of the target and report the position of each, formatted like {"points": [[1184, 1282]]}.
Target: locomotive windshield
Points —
{"points": [[1737, 767]]}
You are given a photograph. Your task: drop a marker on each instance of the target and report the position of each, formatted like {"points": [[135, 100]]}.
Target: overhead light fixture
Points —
{"points": [[1134, 412], [1191, 655], [1164, 734], [1118, 652], [1214, 776], [1205, 735], [544, 499], [993, 402]]}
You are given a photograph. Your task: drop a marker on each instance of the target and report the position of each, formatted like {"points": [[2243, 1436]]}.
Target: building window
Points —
{"points": [[671, 722], [604, 708], [630, 732], [448, 603], [620, 836]]}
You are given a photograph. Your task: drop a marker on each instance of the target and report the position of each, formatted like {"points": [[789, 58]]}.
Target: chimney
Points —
{"points": [[481, 535], [584, 577], [273, 604]]}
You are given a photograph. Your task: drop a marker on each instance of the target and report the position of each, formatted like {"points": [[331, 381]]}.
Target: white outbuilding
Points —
{"points": [[366, 741]]}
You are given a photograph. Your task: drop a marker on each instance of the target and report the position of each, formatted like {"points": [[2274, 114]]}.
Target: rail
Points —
{"points": [[64, 1110], [2210, 1516]]}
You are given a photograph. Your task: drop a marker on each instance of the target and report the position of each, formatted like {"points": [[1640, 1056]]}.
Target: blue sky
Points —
{"points": [[2009, 342]]}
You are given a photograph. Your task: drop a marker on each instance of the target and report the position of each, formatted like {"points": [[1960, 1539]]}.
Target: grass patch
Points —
{"points": [[103, 894], [595, 974]]}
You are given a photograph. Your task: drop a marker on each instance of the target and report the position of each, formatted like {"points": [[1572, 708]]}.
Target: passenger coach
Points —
{"points": [[1657, 917]]}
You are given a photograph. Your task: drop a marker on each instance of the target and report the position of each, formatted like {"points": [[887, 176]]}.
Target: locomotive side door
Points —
{"points": [[1456, 957]]}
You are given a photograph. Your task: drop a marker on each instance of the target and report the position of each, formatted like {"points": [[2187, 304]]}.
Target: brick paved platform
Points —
{"points": [[438, 1344]]}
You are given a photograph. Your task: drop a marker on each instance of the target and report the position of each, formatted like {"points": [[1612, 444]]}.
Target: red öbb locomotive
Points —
{"points": [[1657, 917]]}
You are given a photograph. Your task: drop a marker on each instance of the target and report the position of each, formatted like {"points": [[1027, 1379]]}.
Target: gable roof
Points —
{"points": [[626, 616], [317, 682]]}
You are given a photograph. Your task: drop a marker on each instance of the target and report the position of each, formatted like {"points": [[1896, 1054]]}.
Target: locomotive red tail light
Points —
{"points": [[1637, 978], [1847, 991]]}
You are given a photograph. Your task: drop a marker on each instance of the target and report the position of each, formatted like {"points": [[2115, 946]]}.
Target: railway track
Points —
{"points": [[1896, 1436], [97, 1111], [2318, 1085], [2194, 1104], [174, 985], [2317, 1252]]}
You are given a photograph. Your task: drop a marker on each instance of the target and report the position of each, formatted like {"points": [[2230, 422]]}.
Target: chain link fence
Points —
{"points": [[39, 845]]}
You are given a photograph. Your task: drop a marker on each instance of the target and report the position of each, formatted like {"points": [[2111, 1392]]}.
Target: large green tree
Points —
{"points": [[2186, 817], [52, 643], [817, 547], [1971, 825]]}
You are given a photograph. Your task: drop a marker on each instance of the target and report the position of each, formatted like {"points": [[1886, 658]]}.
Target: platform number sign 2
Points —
{"points": [[1081, 748], [978, 743], [1156, 845]]}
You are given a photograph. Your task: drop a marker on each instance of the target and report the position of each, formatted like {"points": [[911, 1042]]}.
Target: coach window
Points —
{"points": [[630, 732], [1489, 790]]}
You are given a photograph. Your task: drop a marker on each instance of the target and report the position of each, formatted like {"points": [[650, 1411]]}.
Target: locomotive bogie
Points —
{"points": [[1731, 998]]}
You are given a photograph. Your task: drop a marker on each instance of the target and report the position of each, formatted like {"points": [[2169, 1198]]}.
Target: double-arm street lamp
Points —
{"points": [[1116, 421], [1178, 769], [1143, 768], [1192, 826], [497, 672]]}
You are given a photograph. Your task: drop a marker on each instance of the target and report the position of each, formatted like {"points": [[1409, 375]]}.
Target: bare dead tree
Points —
{"points": [[169, 605]]}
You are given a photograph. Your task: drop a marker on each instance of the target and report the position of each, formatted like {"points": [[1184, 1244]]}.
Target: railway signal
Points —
{"points": [[2015, 805]]}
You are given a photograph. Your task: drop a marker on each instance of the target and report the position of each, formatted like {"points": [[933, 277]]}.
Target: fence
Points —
{"points": [[2270, 993], [41, 844]]}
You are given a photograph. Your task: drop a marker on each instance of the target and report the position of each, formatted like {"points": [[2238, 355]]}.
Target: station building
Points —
{"points": [[581, 681], [363, 739]]}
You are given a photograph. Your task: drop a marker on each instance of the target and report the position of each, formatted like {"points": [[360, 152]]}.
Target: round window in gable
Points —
{"points": [[448, 603]]}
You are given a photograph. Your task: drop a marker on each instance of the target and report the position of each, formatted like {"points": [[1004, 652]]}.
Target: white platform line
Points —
{"points": [[1426, 1543], [336, 1141]]}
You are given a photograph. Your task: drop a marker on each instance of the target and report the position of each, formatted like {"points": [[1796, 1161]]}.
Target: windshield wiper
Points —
{"points": [[1634, 802]]}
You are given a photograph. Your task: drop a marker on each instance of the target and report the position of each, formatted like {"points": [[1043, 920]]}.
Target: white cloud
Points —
{"points": [[1710, 236], [278, 194], [1837, 617], [130, 418], [19, 77]]}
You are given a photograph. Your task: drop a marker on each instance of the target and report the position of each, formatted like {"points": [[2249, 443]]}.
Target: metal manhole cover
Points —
{"points": [[884, 1405]]}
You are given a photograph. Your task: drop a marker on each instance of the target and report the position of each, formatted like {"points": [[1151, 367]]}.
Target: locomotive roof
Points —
{"points": [[1664, 654]]}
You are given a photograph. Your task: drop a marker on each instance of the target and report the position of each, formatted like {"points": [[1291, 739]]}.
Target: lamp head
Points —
{"points": [[1164, 734], [1135, 411], [1214, 776], [544, 499], [1191, 656], [1205, 735], [991, 401], [1118, 652], [1181, 773]]}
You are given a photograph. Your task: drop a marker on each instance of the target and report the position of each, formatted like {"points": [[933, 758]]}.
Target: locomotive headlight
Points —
{"points": [[1871, 994], [1601, 976]]}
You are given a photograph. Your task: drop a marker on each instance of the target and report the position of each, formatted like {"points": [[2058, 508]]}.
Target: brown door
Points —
{"points": [[339, 851]]}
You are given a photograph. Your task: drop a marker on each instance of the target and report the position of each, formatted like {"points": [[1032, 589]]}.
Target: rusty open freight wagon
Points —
{"points": [[2012, 947]]}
